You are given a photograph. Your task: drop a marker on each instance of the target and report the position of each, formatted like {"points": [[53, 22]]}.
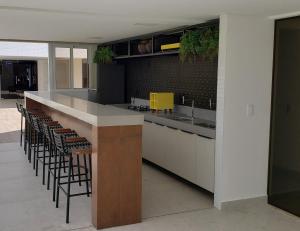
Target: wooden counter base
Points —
{"points": [[116, 168]]}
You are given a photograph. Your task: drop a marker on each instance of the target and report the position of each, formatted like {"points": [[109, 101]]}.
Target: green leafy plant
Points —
{"points": [[103, 55], [201, 42]]}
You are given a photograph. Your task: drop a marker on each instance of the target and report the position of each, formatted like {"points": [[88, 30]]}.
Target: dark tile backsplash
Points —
{"points": [[197, 80]]}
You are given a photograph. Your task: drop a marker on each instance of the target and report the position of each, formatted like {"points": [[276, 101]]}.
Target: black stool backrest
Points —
{"points": [[36, 124], [59, 141], [48, 130], [19, 107], [26, 114]]}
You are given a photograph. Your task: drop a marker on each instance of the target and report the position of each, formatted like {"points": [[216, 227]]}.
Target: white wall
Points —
{"points": [[42, 66], [244, 77]]}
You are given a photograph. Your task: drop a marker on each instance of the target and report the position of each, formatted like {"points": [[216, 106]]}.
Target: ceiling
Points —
{"points": [[97, 21]]}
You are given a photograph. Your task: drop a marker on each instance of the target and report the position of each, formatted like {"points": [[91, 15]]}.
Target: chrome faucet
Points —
{"points": [[133, 101], [193, 104]]}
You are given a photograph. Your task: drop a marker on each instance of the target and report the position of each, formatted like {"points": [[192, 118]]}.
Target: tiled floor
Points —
{"points": [[26, 205], [9, 121], [164, 195]]}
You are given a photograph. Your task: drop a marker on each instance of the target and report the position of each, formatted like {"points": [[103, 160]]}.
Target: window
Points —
{"points": [[70, 66]]}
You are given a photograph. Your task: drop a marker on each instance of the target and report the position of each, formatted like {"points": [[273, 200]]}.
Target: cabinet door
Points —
{"points": [[153, 143], [206, 163], [170, 149], [185, 155], [147, 140]]}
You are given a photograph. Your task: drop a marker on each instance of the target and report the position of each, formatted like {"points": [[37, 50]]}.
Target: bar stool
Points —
{"points": [[70, 147], [41, 141], [36, 135], [28, 131], [48, 145], [19, 108], [53, 168]]}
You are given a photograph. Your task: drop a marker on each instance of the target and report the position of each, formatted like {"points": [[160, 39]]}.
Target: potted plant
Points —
{"points": [[209, 43], [103, 55], [201, 42]]}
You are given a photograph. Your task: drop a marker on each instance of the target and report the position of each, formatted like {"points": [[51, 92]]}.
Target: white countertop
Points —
{"points": [[89, 112]]}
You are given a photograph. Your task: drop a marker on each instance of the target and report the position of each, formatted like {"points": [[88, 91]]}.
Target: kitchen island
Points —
{"points": [[116, 137]]}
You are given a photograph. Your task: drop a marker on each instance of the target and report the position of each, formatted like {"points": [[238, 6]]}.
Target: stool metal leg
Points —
{"points": [[25, 137], [64, 163], [29, 143], [37, 154], [69, 189], [44, 158], [21, 136], [34, 147], [86, 176], [90, 166], [49, 166], [73, 178], [78, 170], [58, 180], [54, 174]]}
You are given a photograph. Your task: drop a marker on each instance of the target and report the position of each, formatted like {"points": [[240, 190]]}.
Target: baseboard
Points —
{"points": [[244, 200]]}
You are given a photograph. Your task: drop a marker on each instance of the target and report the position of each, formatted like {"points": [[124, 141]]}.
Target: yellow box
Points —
{"points": [[161, 100], [170, 46]]}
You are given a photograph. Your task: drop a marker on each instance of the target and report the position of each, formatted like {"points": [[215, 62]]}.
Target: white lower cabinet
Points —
{"points": [[152, 146], [184, 155], [206, 163], [187, 155]]}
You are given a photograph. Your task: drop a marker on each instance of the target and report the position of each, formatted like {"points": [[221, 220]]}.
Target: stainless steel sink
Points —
{"points": [[189, 120]]}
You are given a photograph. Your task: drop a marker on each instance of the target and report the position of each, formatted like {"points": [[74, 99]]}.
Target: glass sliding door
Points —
{"points": [[284, 164]]}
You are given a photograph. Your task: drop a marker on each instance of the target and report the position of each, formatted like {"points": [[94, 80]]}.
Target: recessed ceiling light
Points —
{"points": [[146, 24]]}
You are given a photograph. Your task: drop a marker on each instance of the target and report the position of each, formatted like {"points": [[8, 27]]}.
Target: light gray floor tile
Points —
{"points": [[25, 204]]}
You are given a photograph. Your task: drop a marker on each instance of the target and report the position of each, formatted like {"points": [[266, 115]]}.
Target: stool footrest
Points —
{"points": [[75, 194]]}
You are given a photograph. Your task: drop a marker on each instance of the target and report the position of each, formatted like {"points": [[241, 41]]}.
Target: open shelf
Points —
{"points": [[121, 49], [150, 44], [148, 55], [141, 46], [146, 47], [165, 39]]}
